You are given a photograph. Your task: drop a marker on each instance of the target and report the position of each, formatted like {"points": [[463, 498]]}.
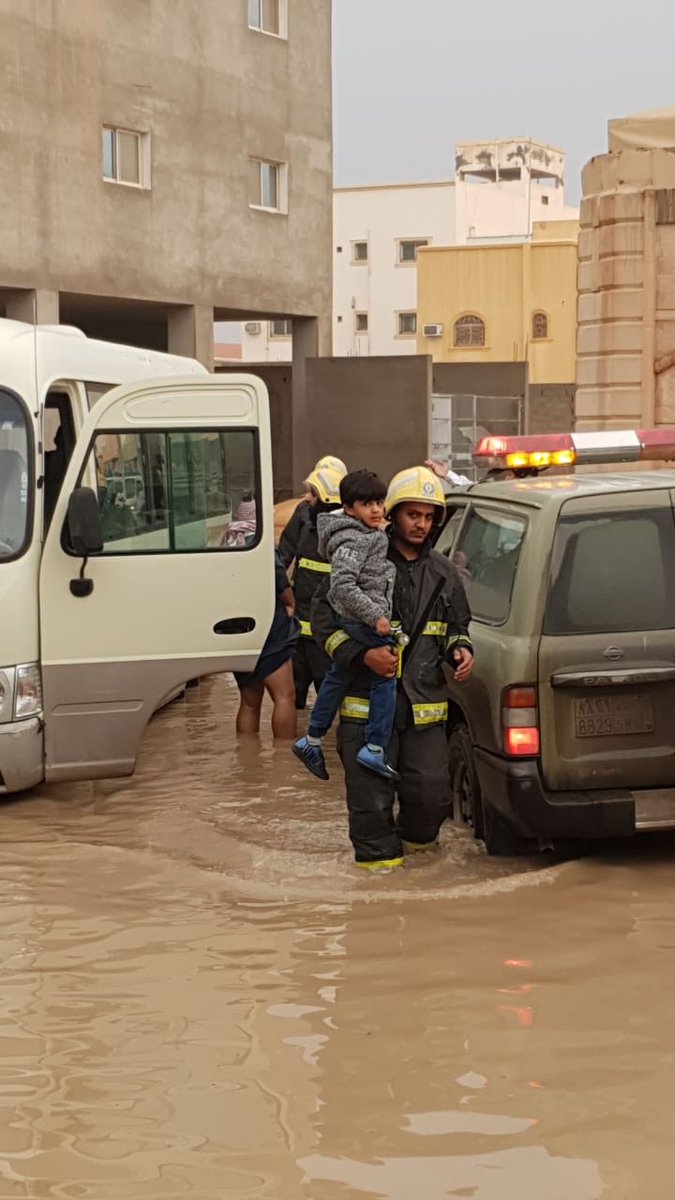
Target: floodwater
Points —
{"points": [[201, 998]]}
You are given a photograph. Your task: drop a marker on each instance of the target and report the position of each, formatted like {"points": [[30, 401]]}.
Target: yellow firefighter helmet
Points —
{"points": [[415, 483], [333, 464], [326, 484]]}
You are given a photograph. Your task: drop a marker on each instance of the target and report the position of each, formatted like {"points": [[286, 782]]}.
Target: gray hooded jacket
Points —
{"points": [[362, 577]]}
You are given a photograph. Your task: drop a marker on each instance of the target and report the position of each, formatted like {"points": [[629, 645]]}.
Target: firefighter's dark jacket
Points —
{"points": [[310, 572], [446, 629], [290, 538]]}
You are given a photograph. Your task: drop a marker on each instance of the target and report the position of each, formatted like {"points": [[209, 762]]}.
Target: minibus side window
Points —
{"points": [[176, 491], [59, 443], [15, 477]]}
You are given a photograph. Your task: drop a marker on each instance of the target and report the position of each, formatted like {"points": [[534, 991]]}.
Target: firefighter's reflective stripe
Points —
{"points": [[382, 864], [356, 708], [436, 628], [457, 642], [336, 639], [430, 714], [305, 629], [310, 564]]}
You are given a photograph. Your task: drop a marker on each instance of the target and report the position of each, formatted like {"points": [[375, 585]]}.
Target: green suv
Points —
{"points": [[566, 731]]}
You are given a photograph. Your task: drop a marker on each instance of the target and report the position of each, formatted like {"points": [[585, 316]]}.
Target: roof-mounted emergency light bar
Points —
{"points": [[536, 453]]}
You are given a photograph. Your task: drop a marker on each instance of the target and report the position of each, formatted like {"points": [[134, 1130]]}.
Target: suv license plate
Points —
{"points": [[612, 716]]}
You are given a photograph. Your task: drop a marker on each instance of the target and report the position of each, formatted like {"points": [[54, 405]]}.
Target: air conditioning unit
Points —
{"points": [[432, 330], [253, 327]]}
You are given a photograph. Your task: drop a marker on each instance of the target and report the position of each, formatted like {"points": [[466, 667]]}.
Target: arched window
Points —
{"points": [[470, 331], [539, 326]]}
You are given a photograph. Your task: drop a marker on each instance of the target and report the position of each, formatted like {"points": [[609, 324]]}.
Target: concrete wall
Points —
{"points": [[504, 285], [210, 93], [372, 412], [481, 379], [376, 412], [550, 408]]}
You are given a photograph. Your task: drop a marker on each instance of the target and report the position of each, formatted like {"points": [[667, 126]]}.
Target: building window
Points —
{"points": [[407, 250], [470, 331], [281, 329], [268, 16], [360, 252], [539, 326], [267, 185], [126, 156], [361, 322], [544, 199], [407, 324]]}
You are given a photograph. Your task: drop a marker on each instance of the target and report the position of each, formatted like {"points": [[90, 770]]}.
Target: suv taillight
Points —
{"points": [[520, 722]]}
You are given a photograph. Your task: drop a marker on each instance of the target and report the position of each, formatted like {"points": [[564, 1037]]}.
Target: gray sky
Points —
{"points": [[412, 77]]}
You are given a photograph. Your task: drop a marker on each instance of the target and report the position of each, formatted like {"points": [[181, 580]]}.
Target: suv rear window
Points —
{"points": [[486, 557], [613, 573]]}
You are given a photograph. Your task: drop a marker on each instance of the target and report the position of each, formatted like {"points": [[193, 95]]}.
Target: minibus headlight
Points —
{"points": [[4, 695], [28, 691]]}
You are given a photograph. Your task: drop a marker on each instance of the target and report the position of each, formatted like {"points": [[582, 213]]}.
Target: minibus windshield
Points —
{"points": [[14, 506]]}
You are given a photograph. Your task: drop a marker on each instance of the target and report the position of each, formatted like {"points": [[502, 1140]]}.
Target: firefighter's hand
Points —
{"points": [[383, 626], [383, 661], [439, 468], [288, 600], [463, 660]]}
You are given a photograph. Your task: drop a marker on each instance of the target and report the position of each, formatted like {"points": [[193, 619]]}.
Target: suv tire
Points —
{"points": [[465, 794]]}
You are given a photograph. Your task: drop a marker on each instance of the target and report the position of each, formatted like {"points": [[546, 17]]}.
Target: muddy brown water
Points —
{"points": [[200, 998]]}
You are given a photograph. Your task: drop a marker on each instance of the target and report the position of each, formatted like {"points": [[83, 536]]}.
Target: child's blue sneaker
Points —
{"points": [[372, 757], [312, 757]]}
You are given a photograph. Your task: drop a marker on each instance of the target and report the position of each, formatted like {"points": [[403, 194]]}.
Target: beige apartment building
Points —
{"points": [[165, 165]]}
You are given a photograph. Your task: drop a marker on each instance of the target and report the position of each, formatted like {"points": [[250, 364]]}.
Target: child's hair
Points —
{"points": [[363, 486]]}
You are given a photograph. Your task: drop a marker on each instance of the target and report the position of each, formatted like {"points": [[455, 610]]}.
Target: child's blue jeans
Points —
{"points": [[333, 689]]}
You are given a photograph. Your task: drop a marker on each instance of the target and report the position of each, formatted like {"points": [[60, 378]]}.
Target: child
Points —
{"points": [[361, 593]]}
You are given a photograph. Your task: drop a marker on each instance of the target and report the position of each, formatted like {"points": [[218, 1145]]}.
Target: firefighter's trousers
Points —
{"points": [[310, 664], [379, 835]]}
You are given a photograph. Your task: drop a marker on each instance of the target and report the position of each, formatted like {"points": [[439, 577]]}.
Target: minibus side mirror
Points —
{"points": [[85, 534]]}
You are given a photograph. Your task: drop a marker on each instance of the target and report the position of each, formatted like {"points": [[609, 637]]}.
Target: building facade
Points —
{"points": [[499, 192], [626, 335], [505, 302], [163, 166]]}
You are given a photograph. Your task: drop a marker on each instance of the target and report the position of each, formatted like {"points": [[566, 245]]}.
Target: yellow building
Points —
{"points": [[513, 302]]}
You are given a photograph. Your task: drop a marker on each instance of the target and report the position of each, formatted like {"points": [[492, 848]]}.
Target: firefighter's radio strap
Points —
{"points": [[407, 650]]}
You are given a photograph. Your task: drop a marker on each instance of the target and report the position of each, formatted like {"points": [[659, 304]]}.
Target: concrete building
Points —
{"points": [[513, 302], [165, 165], [500, 191], [626, 335]]}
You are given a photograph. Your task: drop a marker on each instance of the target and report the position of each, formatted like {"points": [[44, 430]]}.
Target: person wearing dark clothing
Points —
{"points": [[310, 661], [431, 606], [273, 671], [290, 538]]}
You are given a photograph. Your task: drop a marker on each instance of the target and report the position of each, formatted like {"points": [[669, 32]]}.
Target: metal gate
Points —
{"points": [[460, 421]]}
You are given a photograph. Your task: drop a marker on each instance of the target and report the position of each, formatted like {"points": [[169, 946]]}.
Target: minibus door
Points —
{"points": [[172, 595]]}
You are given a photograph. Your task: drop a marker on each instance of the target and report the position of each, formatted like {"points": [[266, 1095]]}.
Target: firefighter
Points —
{"points": [[430, 606], [310, 661], [288, 542]]}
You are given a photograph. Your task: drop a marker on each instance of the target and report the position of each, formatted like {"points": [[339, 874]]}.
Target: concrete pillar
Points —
{"points": [[311, 339], [190, 332], [33, 305]]}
